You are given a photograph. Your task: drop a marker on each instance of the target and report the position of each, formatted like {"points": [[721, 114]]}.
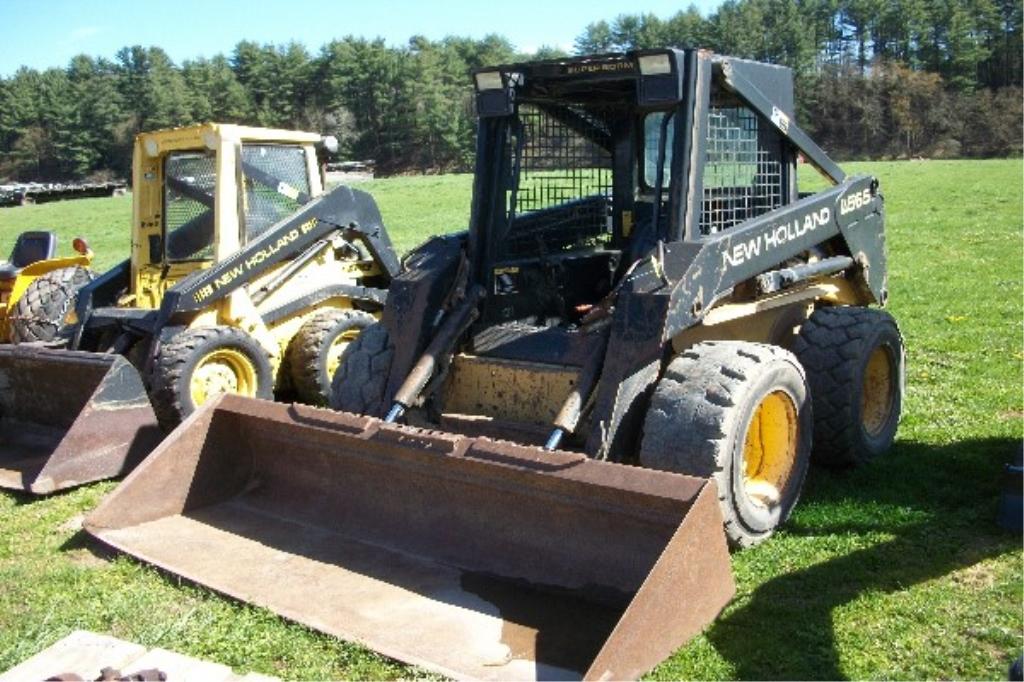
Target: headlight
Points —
{"points": [[655, 64], [489, 80], [330, 143]]}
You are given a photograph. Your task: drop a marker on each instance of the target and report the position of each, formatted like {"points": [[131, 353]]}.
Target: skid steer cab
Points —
{"points": [[541, 449], [244, 277]]}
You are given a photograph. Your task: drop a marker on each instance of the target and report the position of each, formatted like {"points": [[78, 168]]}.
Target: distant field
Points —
{"points": [[413, 208], [893, 571]]}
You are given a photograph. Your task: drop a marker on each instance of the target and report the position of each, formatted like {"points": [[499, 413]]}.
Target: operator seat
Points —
{"points": [[30, 247]]}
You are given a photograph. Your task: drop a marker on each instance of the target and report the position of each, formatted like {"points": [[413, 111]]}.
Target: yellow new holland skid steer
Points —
{"points": [[244, 277], [564, 414]]}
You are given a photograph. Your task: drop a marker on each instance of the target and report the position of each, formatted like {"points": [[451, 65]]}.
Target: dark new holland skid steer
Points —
{"points": [[638, 343]]}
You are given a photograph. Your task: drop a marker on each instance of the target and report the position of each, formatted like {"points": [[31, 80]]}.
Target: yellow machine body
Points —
{"points": [[220, 144]]}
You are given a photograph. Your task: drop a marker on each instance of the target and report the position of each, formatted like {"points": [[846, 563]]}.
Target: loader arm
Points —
{"points": [[352, 212], [734, 80], [701, 272]]}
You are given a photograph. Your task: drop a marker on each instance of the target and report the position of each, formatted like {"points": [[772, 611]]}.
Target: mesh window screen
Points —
{"points": [[743, 169], [270, 194], [189, 179], [565, 181]]}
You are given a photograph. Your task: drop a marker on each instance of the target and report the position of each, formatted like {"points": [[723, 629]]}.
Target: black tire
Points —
{"points": [[702, 413], [137, 355], [177, 360], [359, 384], [39, 313], [856, 412], [309, 355]]}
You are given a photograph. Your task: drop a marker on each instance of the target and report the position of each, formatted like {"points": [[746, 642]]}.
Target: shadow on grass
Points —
{"points": [[939, 503], [83, 542], [21, 497]]}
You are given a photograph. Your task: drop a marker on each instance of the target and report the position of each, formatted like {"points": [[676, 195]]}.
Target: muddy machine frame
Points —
{"points": [[639, 260]]}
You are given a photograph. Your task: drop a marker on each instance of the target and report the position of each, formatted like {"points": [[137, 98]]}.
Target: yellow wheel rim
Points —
{"points": [[769, 449], [338, 347], [224, 370], [877, 393]]}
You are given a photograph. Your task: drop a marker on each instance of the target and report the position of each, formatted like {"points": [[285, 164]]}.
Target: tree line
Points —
{"points": [[875, 79]]}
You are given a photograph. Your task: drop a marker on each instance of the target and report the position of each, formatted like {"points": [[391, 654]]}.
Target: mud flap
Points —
{"points": [[470, 557], [70, 417]]}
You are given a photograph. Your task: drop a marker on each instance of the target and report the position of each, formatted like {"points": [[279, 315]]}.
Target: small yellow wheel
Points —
{"points": [[878, 391], [196, 365], [737, 413], [316, 351], [337, 348], [225, 370], [770, 448], [855, 364]]}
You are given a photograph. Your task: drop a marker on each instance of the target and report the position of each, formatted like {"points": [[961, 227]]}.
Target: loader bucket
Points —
{"points": [[470, 557], [69, 417]]}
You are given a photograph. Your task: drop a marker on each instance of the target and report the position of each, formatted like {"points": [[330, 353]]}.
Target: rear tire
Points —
{"points": [[39, 313], [855, 365], [198, 364], [316, 350], [740, 414], [359, 384]]}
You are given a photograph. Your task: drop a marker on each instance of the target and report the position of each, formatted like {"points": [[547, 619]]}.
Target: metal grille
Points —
{"points": [[742, 171], [189, 180], [271, 194], [564, 181]]}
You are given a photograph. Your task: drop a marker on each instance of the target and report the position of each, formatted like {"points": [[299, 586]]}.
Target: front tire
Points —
{"points": [[740, 414], [316, 350], [855, 365], [362, 377], [198, 364], [39, 313]]}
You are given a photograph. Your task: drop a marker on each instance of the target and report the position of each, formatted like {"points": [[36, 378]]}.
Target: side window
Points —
{"points": [[276, 184], [189, 180], [743, 166], [561, 165], [652, 136]]}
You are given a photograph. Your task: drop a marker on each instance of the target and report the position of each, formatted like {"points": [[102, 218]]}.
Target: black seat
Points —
{"points": [[30, 247]]}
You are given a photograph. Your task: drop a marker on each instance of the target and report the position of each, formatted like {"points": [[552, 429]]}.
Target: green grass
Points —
{"points": [[896, 570], [104, 223]]}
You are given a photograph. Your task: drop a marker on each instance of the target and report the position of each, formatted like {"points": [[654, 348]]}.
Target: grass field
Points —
{"points": [[893, 571]]}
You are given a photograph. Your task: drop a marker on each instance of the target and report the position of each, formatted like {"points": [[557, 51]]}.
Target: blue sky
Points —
{"points": [[49, 32]]}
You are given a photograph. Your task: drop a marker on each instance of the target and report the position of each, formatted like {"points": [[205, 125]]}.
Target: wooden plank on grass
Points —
{"points": [[82, 653]]}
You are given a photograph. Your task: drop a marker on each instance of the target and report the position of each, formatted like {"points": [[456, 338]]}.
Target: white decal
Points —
{"points": [[284, 189], [775, 236], [851, 202], [743, 251], [780, 119]]}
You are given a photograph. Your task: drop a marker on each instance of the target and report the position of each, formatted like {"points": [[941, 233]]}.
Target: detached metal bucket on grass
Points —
{"points": [[69, 417], [470, 557]]}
